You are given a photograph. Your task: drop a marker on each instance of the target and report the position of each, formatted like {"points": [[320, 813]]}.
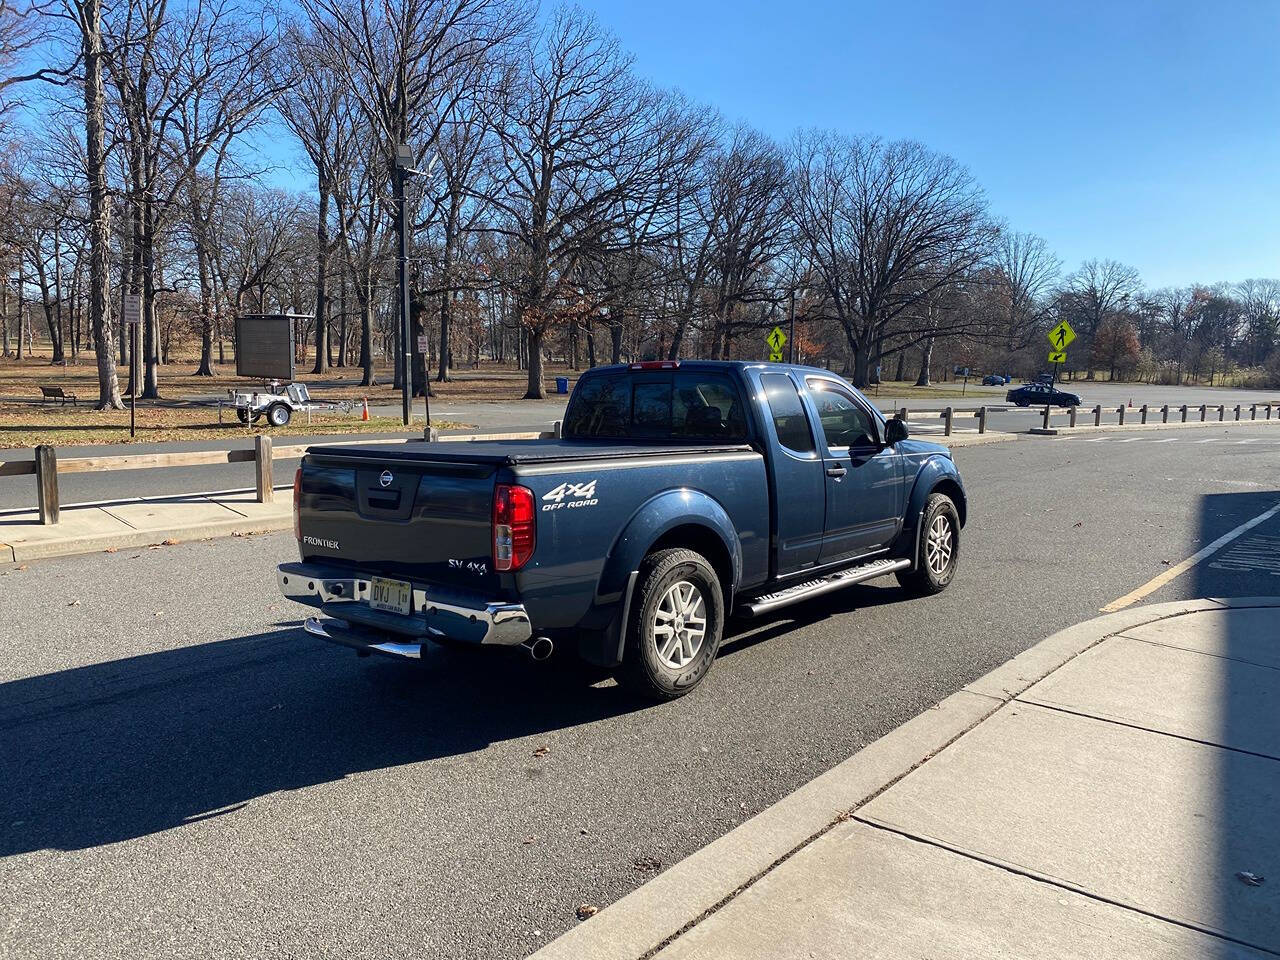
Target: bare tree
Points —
{"points": [[885, 226]]}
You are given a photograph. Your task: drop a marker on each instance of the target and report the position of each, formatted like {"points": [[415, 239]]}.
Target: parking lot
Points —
{"points": [[186, 767]]}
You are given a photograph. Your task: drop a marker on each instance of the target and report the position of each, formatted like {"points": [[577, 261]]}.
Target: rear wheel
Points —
{"points": [[939, 548], [278, 415], [676, 622]]}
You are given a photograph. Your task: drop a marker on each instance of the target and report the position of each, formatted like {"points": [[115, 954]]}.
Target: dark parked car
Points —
{"points": [[994, 380], [681, 493], [1038, 394]]}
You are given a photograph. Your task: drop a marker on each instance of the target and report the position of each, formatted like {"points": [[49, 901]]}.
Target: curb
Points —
{"points": [[968, 439], [647, 919], [1064, 430], [21, 552]]}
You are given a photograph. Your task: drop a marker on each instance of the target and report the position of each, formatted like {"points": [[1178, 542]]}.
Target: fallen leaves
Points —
{"points": [[541, 751], [73, 603], [587, 910]]}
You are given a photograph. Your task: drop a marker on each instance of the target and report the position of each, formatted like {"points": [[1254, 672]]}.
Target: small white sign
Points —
{"points": [[132, 308], [422, 344]]}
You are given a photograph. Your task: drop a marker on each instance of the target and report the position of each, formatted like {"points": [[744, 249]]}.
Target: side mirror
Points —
{"points": [[895, 430]]}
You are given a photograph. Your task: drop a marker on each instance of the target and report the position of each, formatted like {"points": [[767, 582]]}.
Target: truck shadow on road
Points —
{"points": [[118, 750]]}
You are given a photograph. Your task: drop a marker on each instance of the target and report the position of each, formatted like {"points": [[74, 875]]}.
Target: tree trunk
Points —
{"points": [[366, 331], [926, 359], [22, 308], [322, 278], [615, 341], [342, 321], [535, 391], [901, 373]]}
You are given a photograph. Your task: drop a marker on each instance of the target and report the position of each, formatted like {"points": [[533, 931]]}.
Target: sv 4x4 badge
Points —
{"points": [[571, 495]]}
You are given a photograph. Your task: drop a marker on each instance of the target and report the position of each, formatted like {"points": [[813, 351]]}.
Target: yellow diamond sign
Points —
{"points": [[1061, 336], [776, 339]]}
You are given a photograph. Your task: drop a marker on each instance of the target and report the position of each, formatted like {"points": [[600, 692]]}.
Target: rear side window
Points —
{"points": [[601, 407], [789, 419], [681, 406]]}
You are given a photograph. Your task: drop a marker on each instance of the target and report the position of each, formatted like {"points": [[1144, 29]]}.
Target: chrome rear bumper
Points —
{"points": [[342, 594]]}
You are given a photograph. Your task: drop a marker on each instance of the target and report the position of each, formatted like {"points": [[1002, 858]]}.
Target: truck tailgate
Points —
{"points": [[411, 518]]}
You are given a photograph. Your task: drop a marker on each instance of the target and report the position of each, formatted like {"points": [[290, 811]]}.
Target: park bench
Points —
{"points": [[57, 393]]}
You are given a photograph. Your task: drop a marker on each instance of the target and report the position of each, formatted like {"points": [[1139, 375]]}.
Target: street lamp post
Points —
{"points": [[404, 161]]}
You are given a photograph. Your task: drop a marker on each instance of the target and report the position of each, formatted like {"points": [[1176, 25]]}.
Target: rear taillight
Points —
{"points": [[513, 526], [297, 497]]}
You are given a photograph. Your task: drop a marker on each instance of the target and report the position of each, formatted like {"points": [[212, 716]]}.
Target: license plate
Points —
{"points": [[390, 595]]}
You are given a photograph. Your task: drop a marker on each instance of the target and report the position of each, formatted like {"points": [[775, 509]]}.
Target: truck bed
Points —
{"points": [[513, 452]]}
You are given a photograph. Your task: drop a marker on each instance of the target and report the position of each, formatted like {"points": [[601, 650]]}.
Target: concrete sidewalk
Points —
{"points": [[1113, 792], [136, 523]]}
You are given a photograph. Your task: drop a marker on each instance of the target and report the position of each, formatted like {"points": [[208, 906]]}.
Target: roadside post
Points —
{"points": [[1253, 411], [1183, 408], [776, 340], [1222, 412], [1164, 413], [946, 417], [1073, 416], [131, 316], [982, 418], [1237, 411], [47, 483], [1120, 414], [902, 414], [262, 468], [1097, 415], [1143, 412], [1204, 412]]}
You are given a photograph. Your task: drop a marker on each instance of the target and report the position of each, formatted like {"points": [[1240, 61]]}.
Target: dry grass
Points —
{"points": [[24, 425], [490, 382]]}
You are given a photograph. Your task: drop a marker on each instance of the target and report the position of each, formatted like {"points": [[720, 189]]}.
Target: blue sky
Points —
{"points": [[1143, 131]]}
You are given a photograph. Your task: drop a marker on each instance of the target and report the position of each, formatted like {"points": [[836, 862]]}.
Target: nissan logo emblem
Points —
{"points": [[386, 478]]}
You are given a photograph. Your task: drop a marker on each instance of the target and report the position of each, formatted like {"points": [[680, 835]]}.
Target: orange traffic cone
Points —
{"points": [[364, 414]]}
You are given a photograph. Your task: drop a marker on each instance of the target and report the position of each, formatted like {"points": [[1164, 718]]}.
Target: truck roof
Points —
{"points": [[657, 365]]}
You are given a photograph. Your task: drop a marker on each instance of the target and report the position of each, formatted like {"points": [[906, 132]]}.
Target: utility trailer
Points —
{"points": [[279, 404]]}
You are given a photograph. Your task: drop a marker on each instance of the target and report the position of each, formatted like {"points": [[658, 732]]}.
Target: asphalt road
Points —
{"points": [[188, 774]]}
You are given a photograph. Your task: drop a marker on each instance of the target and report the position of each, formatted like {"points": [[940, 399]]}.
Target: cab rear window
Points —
{"points": [[679, 406]]}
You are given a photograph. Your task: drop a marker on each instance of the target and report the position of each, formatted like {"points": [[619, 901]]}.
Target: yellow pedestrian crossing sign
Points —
{"points": [[1059, 356], [1061, 336], [776, 340]]}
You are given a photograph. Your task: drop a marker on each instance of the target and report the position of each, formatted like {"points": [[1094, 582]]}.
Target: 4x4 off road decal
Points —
{"points": [[571, 495]]}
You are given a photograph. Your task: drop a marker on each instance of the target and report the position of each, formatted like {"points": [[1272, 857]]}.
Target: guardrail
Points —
{"points": [[46, 466], [947, 415], [1146, 413]]}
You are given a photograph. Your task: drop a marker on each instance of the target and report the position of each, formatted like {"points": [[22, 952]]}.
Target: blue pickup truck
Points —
{"points": [[680, 493]]}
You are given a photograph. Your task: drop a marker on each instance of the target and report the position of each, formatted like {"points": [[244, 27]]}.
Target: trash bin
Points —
{"points": [[562, 384]]}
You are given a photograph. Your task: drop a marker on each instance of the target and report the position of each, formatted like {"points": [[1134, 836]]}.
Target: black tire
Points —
{"points": [[644, 671], [923, 579], [278, 415], [1022, 403], [242, 416]]}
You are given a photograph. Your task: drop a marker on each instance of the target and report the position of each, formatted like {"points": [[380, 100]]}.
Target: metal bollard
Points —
{"points": [[982, 419], [1073, 416], [946, 417], [1097, 415], [1120, 414], [1183, 408], [1204, 412], [1143, 411], [1164, 414], [47, 483]]}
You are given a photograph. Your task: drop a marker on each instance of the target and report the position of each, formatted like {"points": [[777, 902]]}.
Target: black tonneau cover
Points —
{"points": [[511, 452]]}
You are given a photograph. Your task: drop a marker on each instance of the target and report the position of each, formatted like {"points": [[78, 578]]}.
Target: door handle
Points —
{"points": [[837, 471]]}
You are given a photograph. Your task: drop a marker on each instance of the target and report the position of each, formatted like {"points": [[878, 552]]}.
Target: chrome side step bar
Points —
{"points": [[769, 602]]}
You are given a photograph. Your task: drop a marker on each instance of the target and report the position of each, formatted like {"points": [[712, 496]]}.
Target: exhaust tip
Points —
{"points": [[540, 648]]}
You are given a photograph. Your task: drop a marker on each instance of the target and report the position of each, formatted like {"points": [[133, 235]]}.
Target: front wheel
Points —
{"points": [[278, 415], [676, 622], [939, 552]]}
